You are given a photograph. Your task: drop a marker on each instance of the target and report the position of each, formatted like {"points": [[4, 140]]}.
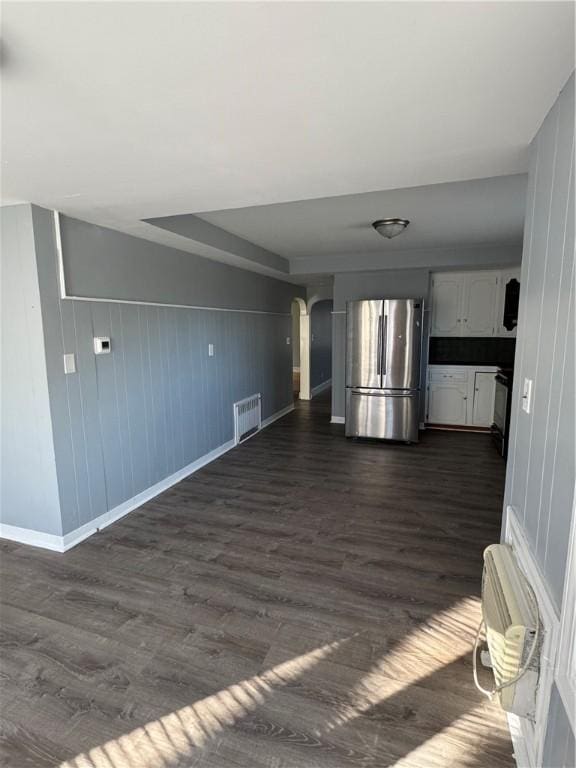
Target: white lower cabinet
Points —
{"points": [[484, 389], [460, 395], [447, 403]]}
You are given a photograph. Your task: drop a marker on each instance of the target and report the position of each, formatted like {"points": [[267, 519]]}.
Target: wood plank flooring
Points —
{"points": [[303, 602]]}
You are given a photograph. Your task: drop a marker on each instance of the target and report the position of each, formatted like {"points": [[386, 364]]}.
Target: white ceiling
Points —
{"points": [[116, 112], [465, 213]]}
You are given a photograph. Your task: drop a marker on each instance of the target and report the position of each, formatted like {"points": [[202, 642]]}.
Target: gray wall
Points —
{"points": [[541, 463], [540, 476], [157, 403], [474, 257], [102, 263], [320, 343], [295, 340], [391, 283], [29, 490]]}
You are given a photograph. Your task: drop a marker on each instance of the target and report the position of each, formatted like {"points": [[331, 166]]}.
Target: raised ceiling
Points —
{"points": [[118, 112], [465, 213]]}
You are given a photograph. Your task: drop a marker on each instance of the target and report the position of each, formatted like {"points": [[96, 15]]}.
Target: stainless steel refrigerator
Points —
{"points": [[383, 352]]}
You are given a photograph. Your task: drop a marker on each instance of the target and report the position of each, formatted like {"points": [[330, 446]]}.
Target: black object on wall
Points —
{"points": [[472, 351], [511, 301]]}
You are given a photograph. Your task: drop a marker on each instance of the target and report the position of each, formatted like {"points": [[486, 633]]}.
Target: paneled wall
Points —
{"points": [[541, 461], [29, 490], [158, 402], [321, 343], [540, 477]]}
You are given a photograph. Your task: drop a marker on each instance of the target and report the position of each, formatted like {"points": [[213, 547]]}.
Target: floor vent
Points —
{"points": [[247, 417]]}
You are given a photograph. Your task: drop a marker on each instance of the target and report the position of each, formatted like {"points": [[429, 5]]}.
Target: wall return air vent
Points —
{"points": [[247, 417]]}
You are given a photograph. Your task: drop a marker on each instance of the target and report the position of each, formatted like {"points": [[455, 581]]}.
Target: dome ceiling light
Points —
{"points": [[390, 227]]}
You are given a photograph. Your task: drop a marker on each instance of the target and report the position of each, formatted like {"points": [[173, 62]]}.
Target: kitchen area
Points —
{"points": [[473, 321]]}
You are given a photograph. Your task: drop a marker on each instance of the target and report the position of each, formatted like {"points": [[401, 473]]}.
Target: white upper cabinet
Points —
{"points": [[447, 292], [469, 303], [479, 305]]}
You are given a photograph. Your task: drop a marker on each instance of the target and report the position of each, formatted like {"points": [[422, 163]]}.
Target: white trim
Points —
{"points": [[58, 237], [528, 738], [278, 415], [337, 420], [520, 753], [103, 521], [32, 538], [69, 540], [566, 667], [338, 312], [320, 388], [176, 306], [64, 295]]}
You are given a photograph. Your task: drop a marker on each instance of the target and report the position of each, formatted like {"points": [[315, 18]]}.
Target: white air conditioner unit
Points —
{"points": [[511, 620]]}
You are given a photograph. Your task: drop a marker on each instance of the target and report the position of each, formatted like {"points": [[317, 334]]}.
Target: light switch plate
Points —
{"points": [[102, 345], [527, 395], [288, 340], [210, 350], [69, 362]]}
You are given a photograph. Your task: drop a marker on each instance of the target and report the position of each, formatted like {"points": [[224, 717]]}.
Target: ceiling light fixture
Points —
{"points": [[390, 227]]}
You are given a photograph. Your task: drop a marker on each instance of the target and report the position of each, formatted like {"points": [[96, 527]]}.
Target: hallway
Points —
{"points": [[302, 602]]}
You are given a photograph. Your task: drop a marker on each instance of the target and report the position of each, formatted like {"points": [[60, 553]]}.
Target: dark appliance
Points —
{"points": [[502, 406]]}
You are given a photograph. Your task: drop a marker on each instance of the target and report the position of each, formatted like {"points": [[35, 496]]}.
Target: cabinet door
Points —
{"points": [[506, 276], [483, 408], [478, 316], [447, 403], [447, 291]]}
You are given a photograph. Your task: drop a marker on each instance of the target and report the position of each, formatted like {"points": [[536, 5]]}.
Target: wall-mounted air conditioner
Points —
{"points": [[511, 620]]}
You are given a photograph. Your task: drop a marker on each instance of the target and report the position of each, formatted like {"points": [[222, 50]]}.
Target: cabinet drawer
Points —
{"points": [[447, 375]]}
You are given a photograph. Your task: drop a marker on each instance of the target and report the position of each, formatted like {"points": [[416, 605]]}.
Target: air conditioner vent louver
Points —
{"points": [[510, 615], [247, 417]]}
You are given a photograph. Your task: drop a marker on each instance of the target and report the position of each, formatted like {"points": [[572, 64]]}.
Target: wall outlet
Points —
{"points": [[210, 350], [527, 395], [70, 363]]}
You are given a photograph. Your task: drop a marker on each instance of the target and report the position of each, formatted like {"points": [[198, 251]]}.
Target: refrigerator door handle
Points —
{"points": [[383, 345], [379, 345]]}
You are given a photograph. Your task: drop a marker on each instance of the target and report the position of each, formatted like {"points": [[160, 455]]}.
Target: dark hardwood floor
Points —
{"points": [[302, 602]]}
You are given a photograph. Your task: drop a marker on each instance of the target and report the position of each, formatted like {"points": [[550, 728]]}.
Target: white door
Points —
{"points": [[447, 291], [447, 403], [505, 277], [479, 306], [483, 408]]}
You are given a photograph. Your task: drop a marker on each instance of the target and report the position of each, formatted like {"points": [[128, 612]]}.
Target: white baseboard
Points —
{"points": [[32, 538], [321, 387], [277, 415], [337, 420], [69, 540]]}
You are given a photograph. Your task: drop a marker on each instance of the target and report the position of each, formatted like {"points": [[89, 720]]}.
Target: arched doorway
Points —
{"points": [[301, 344], [300, 349]]}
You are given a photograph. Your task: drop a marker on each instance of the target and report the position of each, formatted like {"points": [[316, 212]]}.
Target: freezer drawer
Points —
{"points": [[384, 415]]}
